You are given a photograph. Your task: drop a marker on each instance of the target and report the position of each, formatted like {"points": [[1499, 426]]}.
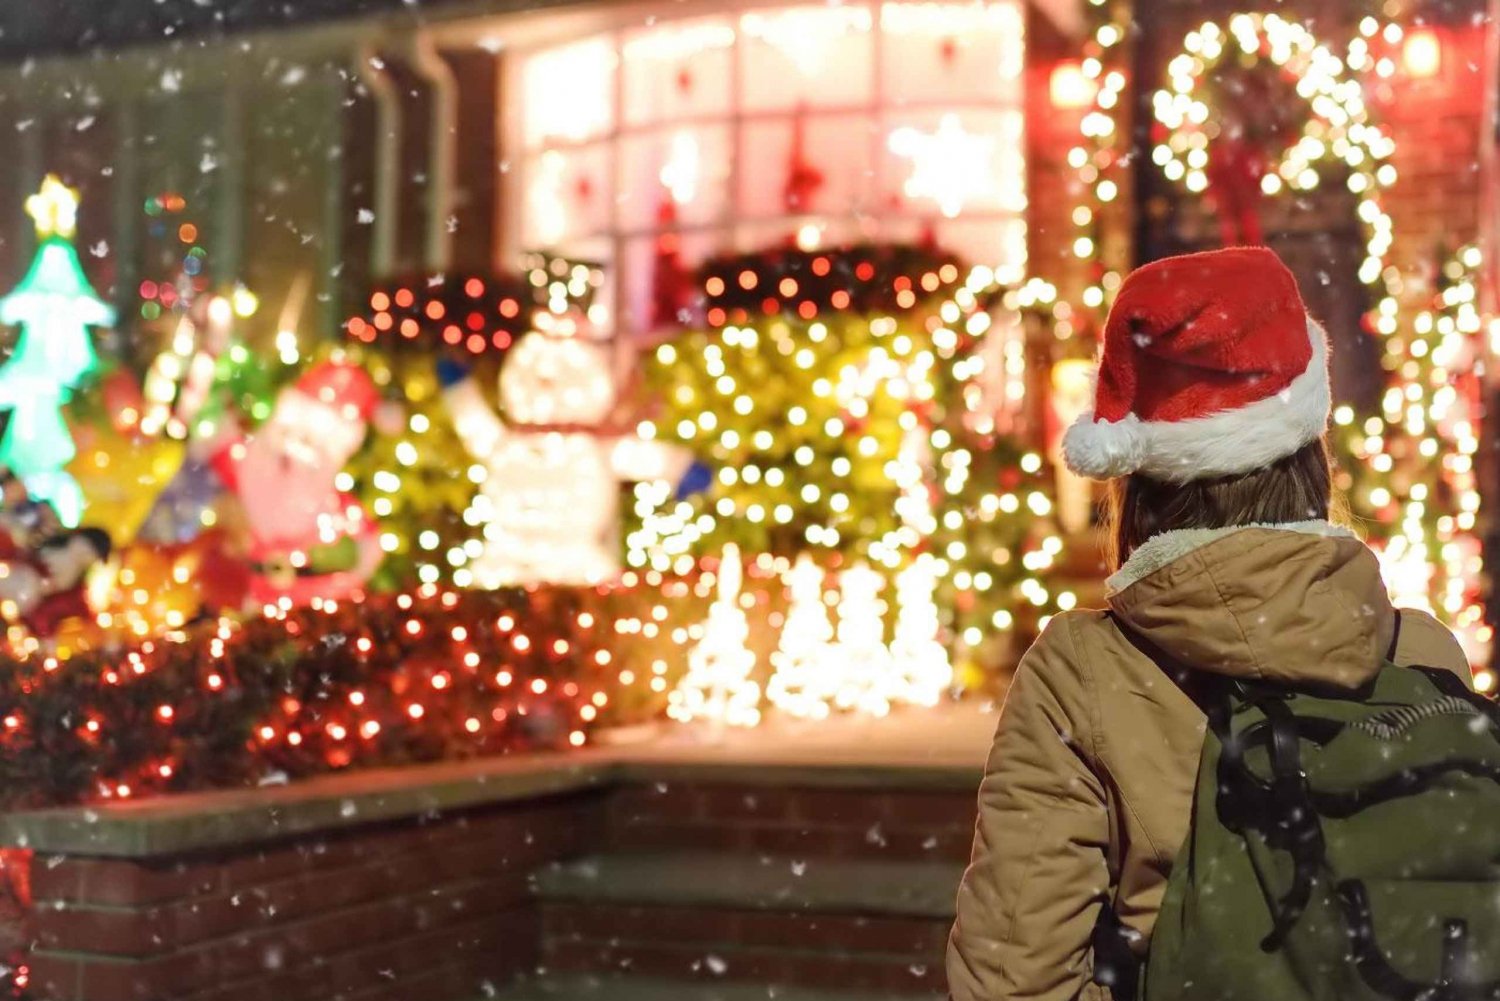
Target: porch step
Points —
{"points": [[597, 988], [766, 925]]}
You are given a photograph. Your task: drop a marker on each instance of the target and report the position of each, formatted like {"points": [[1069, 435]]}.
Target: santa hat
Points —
{"points": [[1210, 367], [342, 385]]}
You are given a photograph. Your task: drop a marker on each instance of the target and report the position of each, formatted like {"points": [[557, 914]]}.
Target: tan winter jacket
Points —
{"points": [[1086, 795]]}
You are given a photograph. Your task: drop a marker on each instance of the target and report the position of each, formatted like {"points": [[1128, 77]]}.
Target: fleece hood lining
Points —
{"points": [[1167, 547]]}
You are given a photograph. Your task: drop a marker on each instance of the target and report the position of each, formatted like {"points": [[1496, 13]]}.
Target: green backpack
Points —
{"points": [[1341, 849]]}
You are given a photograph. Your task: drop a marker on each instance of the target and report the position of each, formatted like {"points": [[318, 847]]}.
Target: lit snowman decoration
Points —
{"points": [[549, 499]]}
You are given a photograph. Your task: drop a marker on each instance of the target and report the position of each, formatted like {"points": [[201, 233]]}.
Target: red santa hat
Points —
{"points": [[342, 385], [1210, 367]]}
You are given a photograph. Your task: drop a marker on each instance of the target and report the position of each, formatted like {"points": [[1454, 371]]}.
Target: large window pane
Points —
{"points": [[952, 53], [836, 166], [570, 92], [678, 71], [569, 194], [689, 165], [648, 266], [819, 56], [947, 163]]}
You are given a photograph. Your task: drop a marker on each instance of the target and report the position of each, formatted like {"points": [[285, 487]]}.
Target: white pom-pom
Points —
{"points": [[1101, 450]]}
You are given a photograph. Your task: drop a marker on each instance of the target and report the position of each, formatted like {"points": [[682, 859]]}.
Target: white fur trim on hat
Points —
{"points": [[1200, 448]]}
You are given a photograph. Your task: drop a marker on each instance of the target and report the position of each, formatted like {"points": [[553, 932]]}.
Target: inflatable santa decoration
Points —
{"points": [[307, 538]]}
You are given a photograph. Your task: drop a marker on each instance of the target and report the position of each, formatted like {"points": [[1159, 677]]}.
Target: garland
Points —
{"points": [[391, 680], [861, 279], [470, 312]]}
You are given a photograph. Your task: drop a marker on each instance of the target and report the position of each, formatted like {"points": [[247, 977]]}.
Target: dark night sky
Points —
{"points": [[49, 27]]}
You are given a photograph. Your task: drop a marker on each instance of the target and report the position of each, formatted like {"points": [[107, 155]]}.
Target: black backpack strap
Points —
{"points": [[1390, 653]]}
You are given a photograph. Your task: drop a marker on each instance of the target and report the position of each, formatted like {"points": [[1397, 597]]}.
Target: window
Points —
{"points": [[897, 120]]}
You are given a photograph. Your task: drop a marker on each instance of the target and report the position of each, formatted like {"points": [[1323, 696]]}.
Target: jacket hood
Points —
{"points": [[1299, 603]]}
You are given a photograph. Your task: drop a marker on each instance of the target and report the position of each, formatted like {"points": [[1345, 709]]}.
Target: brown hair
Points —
{"points": [[1298, 487]]}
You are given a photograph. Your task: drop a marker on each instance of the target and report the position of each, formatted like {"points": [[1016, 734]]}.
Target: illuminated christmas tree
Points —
{"points": [[802, 412], [920, 659], [805, 658], [868, 680], [54, 306], [718, 686]]}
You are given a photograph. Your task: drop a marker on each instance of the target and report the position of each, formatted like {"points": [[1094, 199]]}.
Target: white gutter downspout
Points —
{"points": [[442, 151], [372, 74]]}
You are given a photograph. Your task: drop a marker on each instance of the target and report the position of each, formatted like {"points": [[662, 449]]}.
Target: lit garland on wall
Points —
{"points": [[1099, 156], [1414, 471], [472, 313], [1338, 128], [864, 278]]}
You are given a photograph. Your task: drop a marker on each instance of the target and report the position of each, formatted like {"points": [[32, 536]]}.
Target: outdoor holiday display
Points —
{"points": [[549, 495], [805, 663], [54, 306], [859, 435], [307, 537], [867, 674], [44, 587], [1252, 152], [430, 527], [719, 685]]}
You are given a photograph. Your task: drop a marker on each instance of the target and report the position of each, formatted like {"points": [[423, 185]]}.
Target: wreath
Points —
{"points": [[1263, 107]]}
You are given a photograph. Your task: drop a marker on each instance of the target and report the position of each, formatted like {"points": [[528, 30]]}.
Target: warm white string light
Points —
{"points": [[805, 660]]}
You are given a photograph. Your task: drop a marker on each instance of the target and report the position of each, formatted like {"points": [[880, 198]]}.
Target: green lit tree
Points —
{"points": [[54, 306]]}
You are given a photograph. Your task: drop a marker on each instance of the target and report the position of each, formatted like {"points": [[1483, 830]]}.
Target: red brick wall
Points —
{"points": [[1436, 125], [812, 822], [435, 909], [1053, 187], [390, 911]]}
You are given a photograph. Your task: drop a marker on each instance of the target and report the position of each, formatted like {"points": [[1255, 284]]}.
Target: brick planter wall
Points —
{"points": [[435, 908], [454, 882]]}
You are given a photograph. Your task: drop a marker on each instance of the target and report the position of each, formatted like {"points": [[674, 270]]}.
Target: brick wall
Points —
{"points": [[1436, 124], [432, 909], [442, 907], [811, 822], [1053, 187]]}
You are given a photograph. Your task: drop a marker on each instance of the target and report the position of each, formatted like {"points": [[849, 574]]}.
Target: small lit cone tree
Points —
{"points": [[805, 660], [867, 680], [919, 657], [718, 687], [54, 306]]}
